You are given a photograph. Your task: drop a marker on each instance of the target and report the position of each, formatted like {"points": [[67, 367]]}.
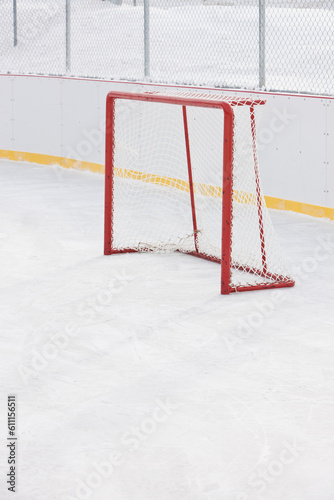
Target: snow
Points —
{"points": [[191, 42], [136, 380]]}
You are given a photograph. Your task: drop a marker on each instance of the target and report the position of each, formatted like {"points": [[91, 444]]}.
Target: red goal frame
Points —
{"points": [[206, 101]]}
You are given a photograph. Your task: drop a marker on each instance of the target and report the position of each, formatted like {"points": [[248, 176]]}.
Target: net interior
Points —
{"points": [[152, 207]]}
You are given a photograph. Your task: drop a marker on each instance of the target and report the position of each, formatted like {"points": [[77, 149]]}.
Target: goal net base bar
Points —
{"points": [[280, 282]]}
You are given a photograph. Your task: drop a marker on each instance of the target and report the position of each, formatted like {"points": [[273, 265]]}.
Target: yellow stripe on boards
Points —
{"points": [[154, 179], [199, 188], [299, 207], [203, 189], [42, 159]]}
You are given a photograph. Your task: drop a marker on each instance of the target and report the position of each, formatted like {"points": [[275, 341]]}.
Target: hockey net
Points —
{"points": [[171, 184]]}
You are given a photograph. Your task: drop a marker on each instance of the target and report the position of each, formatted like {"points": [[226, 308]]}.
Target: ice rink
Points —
{"points": [[137, 380]]}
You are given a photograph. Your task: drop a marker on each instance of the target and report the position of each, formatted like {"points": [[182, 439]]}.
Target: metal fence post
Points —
{"points": [[147, 37], [68, 36], [262, 43], [15, 22]]}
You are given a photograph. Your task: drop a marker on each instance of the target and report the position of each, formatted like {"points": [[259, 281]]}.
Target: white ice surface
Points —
{"points": [[94, 346]]}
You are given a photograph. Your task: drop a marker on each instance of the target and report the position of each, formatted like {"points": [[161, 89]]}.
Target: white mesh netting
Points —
{"points": [[151, 201]]}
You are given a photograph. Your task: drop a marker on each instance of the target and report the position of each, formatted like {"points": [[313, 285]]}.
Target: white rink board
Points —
{"points": [[37, 115], [83, 112], [65, 117], [6, 85]]}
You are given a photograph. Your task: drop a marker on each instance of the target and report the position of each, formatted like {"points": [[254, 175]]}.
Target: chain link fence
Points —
{"points": [[285, 45]]}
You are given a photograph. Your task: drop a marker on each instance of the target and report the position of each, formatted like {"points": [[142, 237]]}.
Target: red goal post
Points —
{"points": [[158, 152]]}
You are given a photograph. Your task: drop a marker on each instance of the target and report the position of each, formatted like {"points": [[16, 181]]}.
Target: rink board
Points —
{"points": [[51, 120]]}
